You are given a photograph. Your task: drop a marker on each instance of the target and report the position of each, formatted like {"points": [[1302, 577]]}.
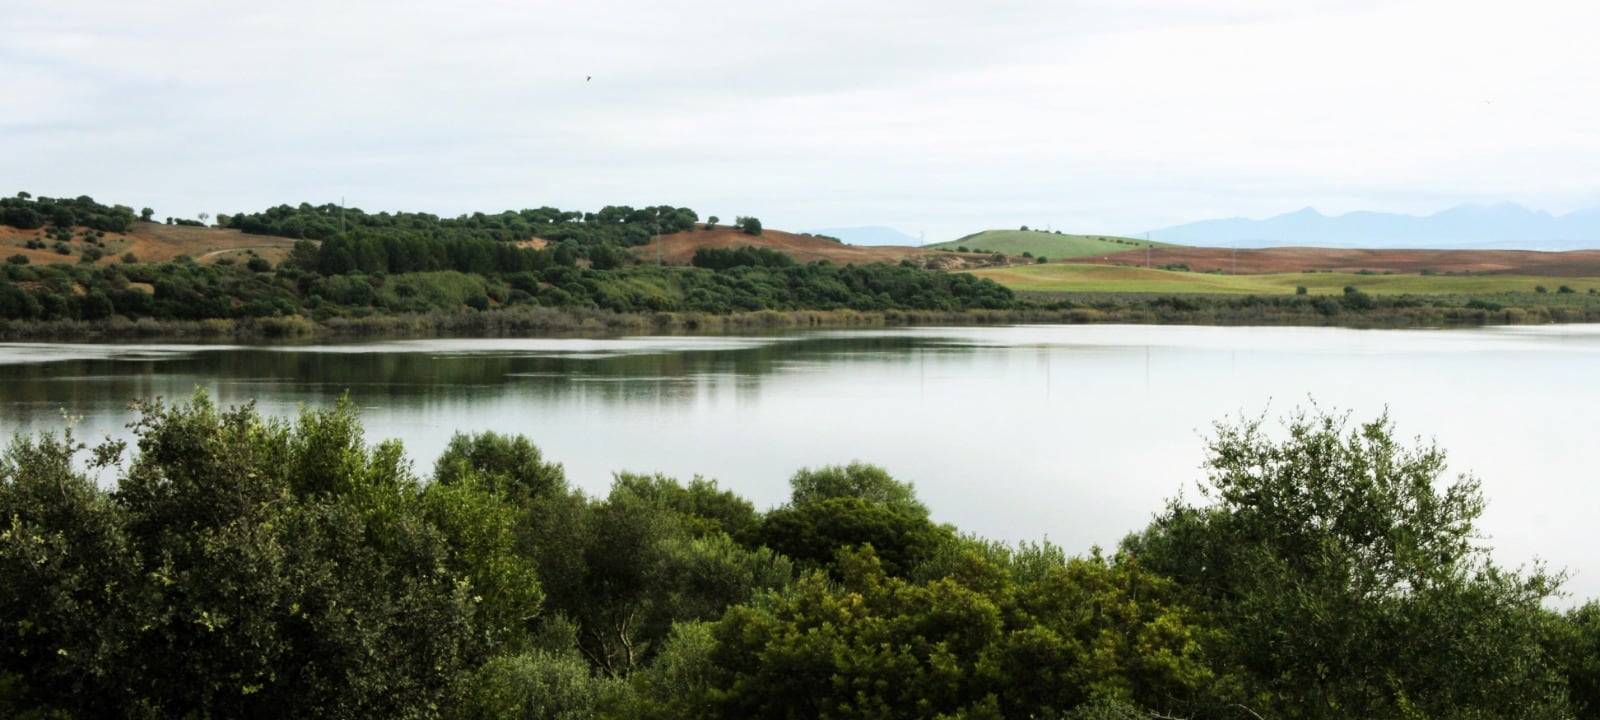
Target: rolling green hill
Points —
{"points": [[1039, 243]]}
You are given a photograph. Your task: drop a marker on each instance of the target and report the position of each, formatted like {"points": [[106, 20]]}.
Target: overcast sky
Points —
{"points": [[936, 116]]}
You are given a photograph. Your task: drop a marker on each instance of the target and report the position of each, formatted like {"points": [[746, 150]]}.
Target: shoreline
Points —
{"points": [[1405, 312]]}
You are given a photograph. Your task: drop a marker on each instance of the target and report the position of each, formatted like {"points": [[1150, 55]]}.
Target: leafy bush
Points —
{"points": [[1326, 545]]}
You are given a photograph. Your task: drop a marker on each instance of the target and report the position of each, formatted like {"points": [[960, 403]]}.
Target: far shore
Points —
{"points": [[1375, 312]]}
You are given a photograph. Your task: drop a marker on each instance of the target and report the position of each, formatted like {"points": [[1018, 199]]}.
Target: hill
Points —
{"points": [[156, 242], [679, 248], [1502, 226], [1039, 243], [870, 235], [148, 242]]}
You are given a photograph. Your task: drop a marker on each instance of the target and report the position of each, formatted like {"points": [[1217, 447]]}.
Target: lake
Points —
{"points": [[1075, 433]]}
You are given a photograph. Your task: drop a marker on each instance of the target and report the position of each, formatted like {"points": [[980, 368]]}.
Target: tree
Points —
{"points": [[712, 221], [643, 569], [836, 508], [857, 480], [22, 217], [1575, 640], [1002, 635], [509, 466], [243, 567], [605, 257], [1345, 572], [540, 685], [749, 225]]}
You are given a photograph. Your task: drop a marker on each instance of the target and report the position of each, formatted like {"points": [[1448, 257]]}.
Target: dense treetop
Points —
{"points": [[618, 224], [27, 212], [234, 565]]}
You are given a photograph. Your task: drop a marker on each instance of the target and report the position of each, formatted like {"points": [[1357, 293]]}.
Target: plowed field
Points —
{"points": [[1576, 263]]}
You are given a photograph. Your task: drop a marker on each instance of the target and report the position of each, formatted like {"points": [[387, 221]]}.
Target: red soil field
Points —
{"points": [[1575, 263]]}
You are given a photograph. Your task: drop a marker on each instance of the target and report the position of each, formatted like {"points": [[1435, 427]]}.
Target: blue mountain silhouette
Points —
{"points": [[1500, 226]]}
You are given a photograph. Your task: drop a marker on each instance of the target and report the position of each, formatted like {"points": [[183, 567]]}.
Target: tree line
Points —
{"points": [[27, 212], [231, 564], [359, 276], [620, 225]]}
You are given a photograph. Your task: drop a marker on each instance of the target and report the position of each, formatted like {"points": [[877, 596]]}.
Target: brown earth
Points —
{"points": [[152, 242], [1575, 263], [679, 248]]}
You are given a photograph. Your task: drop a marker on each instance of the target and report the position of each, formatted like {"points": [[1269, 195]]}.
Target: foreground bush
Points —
{"points": [[240, 566]]}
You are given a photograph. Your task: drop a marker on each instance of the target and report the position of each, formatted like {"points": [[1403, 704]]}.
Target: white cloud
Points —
{"points": [[948, 116]]}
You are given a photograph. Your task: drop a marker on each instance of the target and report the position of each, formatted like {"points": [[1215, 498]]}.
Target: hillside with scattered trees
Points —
{"points": [[328, 269], [351, 264]]}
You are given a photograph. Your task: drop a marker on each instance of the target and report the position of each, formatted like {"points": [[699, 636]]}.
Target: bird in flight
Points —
{"points": [[587, 78]]}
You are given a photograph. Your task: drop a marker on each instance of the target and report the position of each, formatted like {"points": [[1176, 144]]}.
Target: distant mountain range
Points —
{"points": [[1502, 226], [869, 235]]}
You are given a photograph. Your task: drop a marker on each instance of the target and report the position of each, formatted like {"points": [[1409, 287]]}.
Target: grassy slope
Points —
{"points": [[1064, 277], [1040, 243]]}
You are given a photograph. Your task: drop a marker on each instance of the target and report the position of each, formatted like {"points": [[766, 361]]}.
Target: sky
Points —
{"points": [[934, 117]]}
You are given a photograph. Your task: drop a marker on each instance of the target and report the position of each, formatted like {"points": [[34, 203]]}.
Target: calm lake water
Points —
{"points": [[1075, 433]]}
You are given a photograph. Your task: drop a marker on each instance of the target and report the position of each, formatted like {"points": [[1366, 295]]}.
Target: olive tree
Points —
{"points": [[1346, 571]]}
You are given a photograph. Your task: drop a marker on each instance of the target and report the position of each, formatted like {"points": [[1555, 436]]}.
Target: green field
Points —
{"points": [[1039, 243], [1067, 277]]}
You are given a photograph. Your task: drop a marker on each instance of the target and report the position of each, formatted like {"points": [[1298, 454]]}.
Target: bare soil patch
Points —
{"points": [[153, 242], [679, 249]]}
